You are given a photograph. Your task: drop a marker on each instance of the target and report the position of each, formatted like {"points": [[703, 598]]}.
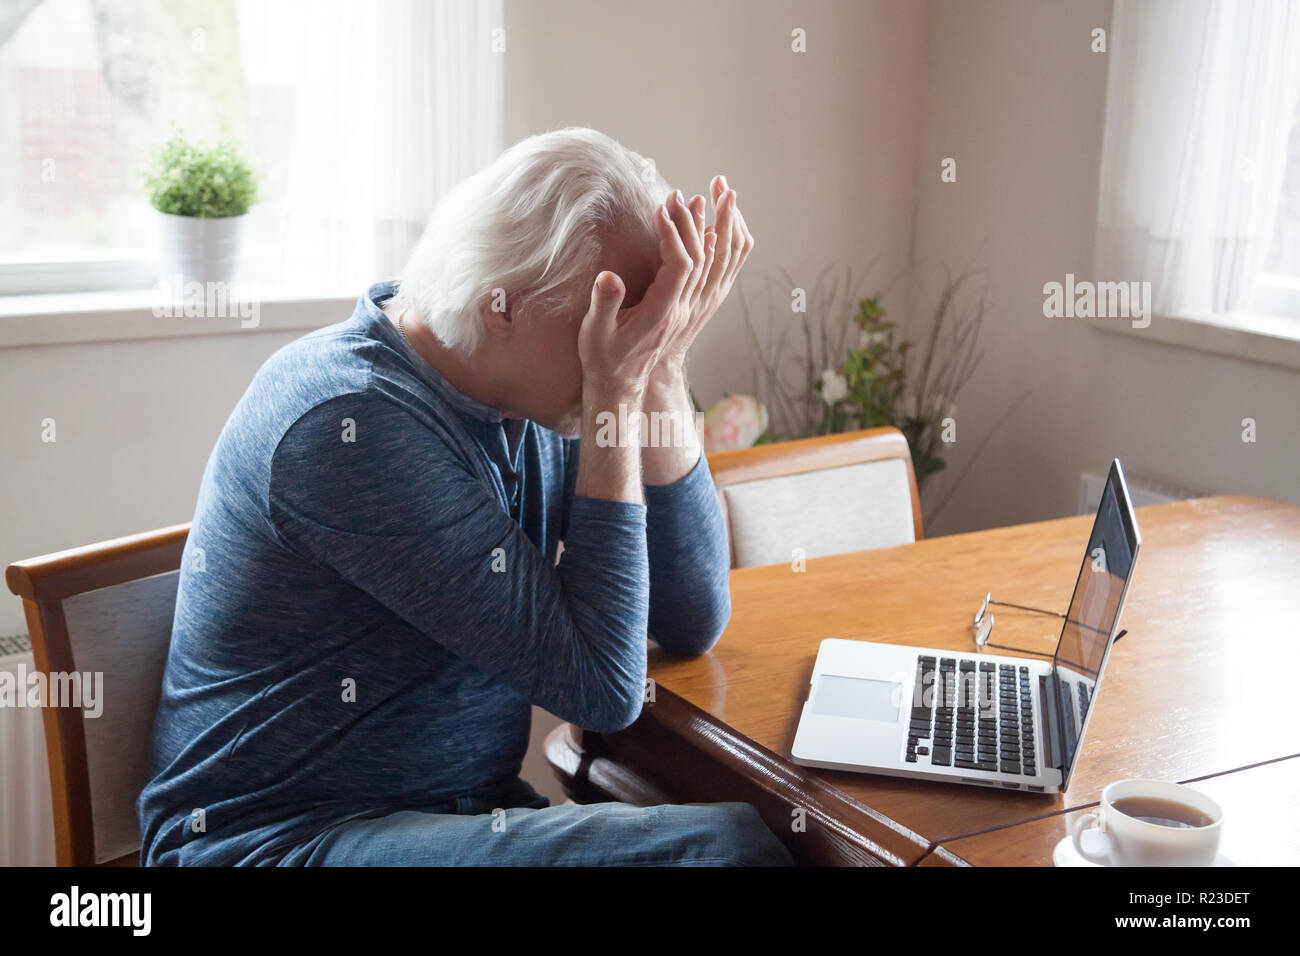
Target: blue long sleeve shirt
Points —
{"points": [[369, 600]]}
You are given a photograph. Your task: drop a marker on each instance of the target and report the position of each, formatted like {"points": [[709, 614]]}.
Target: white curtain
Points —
{"points": [[1199, 110], [396, 101]]}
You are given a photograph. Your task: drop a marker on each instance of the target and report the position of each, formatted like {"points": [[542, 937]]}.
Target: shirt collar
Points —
{"points": [[370, 312]]}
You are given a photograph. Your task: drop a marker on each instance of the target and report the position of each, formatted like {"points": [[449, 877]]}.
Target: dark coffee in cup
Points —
{"points": [[1150, 823], [1163, 813]]}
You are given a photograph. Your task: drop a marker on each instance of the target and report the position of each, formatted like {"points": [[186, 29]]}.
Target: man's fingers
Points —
{"points": [[744, 224], [606, 296], [684, 220], [724, 217], [674, 269], [697, 207], [710, 249], [741, 242], [718, 187]]}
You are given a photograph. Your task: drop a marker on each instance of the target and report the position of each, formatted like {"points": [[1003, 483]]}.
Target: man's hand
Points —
{"points": [[619, 347], [729, 243]]}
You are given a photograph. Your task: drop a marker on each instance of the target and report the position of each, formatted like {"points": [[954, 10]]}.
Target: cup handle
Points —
{"points": [[1076, 832]]}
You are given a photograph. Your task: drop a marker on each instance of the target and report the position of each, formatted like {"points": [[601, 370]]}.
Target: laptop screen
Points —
{"points": [[1094, 613]]}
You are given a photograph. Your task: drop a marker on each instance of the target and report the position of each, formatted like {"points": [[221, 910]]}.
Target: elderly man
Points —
{"points": [[370, 598]]}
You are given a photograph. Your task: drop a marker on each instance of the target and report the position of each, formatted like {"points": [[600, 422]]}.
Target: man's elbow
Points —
{"points": [[698, 634], [617, 713]]}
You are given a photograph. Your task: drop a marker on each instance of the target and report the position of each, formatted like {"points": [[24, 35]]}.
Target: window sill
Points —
{"points": [[78, 317], [1254, 336]]}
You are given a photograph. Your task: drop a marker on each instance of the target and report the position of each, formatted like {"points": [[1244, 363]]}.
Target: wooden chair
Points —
{"points": [[102, 609], [826, 495]]}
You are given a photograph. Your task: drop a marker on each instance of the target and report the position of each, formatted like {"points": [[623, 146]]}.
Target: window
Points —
{"points": [[86, 88], [1199, 188], [1277, 290], [357, 115]]}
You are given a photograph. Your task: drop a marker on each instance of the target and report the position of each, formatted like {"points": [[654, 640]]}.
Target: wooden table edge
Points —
{"points": [[673, 737]]}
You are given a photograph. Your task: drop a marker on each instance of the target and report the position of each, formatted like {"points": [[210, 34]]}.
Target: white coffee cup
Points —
{"points": [[1129, 841]]}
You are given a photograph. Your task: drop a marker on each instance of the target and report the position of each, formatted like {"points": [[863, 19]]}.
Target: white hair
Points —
{"points": [[528, 225]]}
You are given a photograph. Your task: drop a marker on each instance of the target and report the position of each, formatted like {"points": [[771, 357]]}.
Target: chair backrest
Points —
{"points": [[103, 612], [818, 496]]}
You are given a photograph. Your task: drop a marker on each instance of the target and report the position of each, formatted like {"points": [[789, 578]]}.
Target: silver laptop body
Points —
{"points": [[967, 717]]}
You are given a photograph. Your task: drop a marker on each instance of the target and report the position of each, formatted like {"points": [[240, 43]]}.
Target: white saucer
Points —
{"points": [[1066, 855]]}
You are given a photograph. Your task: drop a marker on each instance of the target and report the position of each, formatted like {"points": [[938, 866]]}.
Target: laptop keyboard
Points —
{"points": [[1073, 717], [974, 715]]}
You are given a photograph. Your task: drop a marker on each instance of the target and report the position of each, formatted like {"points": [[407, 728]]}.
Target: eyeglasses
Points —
{"points": [[984, 625]]}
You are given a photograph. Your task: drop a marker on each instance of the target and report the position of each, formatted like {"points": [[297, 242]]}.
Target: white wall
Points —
{"points": [[1014, 94], [135, 422]]}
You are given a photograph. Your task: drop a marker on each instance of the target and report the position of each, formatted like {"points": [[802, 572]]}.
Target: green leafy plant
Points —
{"points": [[841, 364], [207, 182], [790, 355], [872, 376]]}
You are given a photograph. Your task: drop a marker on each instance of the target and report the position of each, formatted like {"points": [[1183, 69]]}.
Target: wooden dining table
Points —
{"points": [[1201, 690]]}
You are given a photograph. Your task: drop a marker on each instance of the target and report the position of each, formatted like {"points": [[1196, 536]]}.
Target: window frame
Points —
{"points": [[116, 316], [108, 272], [1268, 337]]}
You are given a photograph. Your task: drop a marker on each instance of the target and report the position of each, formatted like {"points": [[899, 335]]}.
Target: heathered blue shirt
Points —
{"points": [[369, 601]]}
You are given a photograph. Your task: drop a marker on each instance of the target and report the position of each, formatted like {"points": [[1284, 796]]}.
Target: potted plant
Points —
{"points": [[841, 365], [202, 195]]}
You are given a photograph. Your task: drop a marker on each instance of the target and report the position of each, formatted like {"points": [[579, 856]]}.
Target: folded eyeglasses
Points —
{"points": [[984, 625]]}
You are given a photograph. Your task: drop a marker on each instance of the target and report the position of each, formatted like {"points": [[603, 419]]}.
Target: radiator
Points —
{"points": [[1144, 492], [26, 823]]}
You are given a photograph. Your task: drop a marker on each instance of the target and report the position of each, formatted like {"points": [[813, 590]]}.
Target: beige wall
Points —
{"points": [[135, 422], [1015, 95], [819, 145]]}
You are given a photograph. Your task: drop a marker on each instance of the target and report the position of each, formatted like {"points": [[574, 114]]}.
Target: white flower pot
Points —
{"points": [[198, 250]]}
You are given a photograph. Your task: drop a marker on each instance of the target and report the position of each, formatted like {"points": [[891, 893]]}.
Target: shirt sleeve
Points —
{"points": [[690, 563], [690, 558], [400, 514]]}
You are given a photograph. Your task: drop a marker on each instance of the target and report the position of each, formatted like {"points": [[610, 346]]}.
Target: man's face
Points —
{"points": [[544, 347]]}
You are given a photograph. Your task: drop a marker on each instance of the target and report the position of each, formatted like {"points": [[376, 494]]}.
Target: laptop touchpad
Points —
{"points": [[856, 697]]}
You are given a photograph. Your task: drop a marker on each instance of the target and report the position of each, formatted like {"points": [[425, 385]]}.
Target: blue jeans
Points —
{"points": [[512, 828]]}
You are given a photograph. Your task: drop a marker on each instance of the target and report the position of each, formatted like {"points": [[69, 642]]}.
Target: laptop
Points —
{"points": [[1016, 723]]}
